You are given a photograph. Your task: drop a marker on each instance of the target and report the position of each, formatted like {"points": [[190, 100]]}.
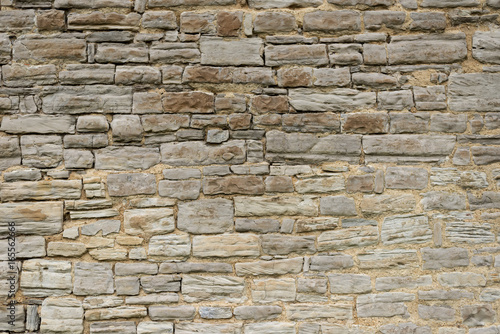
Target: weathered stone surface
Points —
{"points": [[446, 48], [273, 267], [273, 290], [462, 279], [473, 91], [245, 185], [62, 316], [126, 158], [205, 216], [93, 279], [153, 327], [408, 229], [41, 151], [332, 21], [42, 49], [44, 278], [112, 327], [169, 53], [284, 245], [42, 190], [376, 204], [215, 51], [439, 200], [308, 311], [471, 233], [348, 238], [303, 99], [226, 245], [406, 178], [387, 304], [272, 206], [32, 218], [349, 283], [213, 288], [478, 315], [198, 153], [148, 221], [397, 258], [296, 55], [405, 282], [444, 258], [130, 184]]}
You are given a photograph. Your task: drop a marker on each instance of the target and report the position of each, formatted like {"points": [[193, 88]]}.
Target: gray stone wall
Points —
{"points": [[250, 166]]}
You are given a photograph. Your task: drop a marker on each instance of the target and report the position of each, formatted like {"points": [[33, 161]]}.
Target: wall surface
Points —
{"points": [[250, 166]]}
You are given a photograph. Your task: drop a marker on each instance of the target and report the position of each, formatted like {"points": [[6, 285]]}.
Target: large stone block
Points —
{"points": [[408, 229], [41, 49], [196, 153], [277, 55], [213, 288], [46, 278], [149, 221], [474, 92], [226, 245], [216, 51], [32, 218], [332, 21], [274, 206], [93, 279], [61, 316], [131, 184], [205, 216], [126, 157]]}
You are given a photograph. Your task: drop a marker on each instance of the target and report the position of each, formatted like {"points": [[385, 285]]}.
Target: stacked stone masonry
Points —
{"points": [[250, 166]]}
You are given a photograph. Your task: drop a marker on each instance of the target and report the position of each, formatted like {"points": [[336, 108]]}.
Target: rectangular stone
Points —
{"points": [[277, 55], [407, 148], [88, 99], [10, 152], [469, 233], [87, 74], [188, 102], [488, 200], [485, 46], [42, 49], [17, 20], [274, 206], [273, 290], [273, 267], [205, 216], [46, 124], [131, 184], [418, 49], [92, 4], [387, 304], [402, 282], [168, 53], [333, 21], [439, 258], [310, 311], [32, 218], [149, 221], [341, 99], [284, 245], [62, 315], [216, 51], [42, 151], [474, 92], [5, 49], [170, 246], [406, 178], [228, 289], [175, 3], [244, 185], [387, 259], [46, 278], [93, 279], [103, 21], [227, 245], [122, 53], [188, 328], [18, 75], [268, 4], [376, 204], [346, 238], [126, 158], [41, 190], [198, 153], [407, 229]]}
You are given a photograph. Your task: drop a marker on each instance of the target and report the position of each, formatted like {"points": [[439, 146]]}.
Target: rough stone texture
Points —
{"points": [[258, 166]]}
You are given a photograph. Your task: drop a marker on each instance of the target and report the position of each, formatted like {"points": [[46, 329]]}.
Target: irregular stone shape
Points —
{"points": [[484, 155], [488, 200], [349, 283], [441, 49], [273, 290], [227, 245], [41, 151], [407, 148], [187, 328], [66, 249], [149, 221], [473, 91], [198, 153], [341, 99], [434, 98], [346, 238], [301, 147], [153, 327], [164, 123], [471, 233], [376, 204], [366, 123], [93, 279], [332, 21], [216, 51], [444, 258], [478, 315], [402, 282], [193, 22], [10, 152], [121, 54], [267, 4], [408, 229], [5, 49], [88, 99], [312, 122], [485, 46], [131, 184], [61, 316], [169, 53], [159, 20], [213, 288], [397, 258], [277, 55], [106, 226], [284, 245], [245, 185], [461, 279], [205, 216], [441, 313], [43, 49], [274, 206], [440, 200], [41, 190], [229, 23], [257, 312], [273, 267], [170, 246], [406, 178], [126, 158], [43, 278], [112, 327], [390, 19], [308, 311], [387, 304], [32, 218]]}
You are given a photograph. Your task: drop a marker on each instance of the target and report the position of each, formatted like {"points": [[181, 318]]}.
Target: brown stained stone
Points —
{"points": [[239, 122], [245, 185], [229, 23], [279, 184], [207, 74], [272, 22], [188, 102], [331, 21], [51, 20], [366, 123], [265, 103], [295, 77], [311, 122], [192, 22]]}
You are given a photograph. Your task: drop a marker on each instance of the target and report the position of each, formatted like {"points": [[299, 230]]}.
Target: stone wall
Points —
{"points": [[250, 166]]}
